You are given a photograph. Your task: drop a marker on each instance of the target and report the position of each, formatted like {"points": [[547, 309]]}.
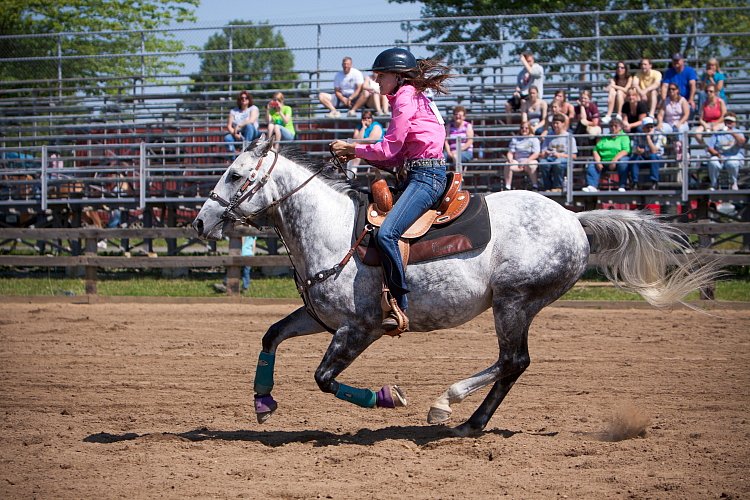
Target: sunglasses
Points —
{"points": [[243, 98], [673, 88]]}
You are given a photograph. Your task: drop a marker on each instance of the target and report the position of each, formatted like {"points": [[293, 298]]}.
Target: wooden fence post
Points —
{"points": [[90, 271], [234, 272]]}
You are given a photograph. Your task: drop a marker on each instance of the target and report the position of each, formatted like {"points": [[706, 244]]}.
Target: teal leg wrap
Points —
{"points": [[360, 397], [264, 373]]}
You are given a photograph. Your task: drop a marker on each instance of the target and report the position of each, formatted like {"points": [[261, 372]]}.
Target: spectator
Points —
{"points": [[683, 76], [713, 75], [523, 153], [532, 75], [711, 113], [248, 250], [611, 152], [633, 111], [242, 122], [726, 148], [566, 108], [554, 109], [461, 130], [372, 98], [368, 131], [648, 81], [617, 90], [673, 116], [347, 87], [555, 151], [648, 151], [534, 111], [587, 114], [280, 124]]}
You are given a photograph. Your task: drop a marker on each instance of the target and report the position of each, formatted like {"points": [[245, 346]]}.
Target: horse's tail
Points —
{"points": [[639, 253]]}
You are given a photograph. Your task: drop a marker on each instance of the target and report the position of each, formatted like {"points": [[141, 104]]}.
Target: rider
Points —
{"points": [[413, 149]]}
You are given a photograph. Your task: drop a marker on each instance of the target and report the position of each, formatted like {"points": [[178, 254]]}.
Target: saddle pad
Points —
{"points": [[471, 231]]}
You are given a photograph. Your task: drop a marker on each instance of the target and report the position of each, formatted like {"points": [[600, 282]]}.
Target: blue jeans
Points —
{"points": [[466, 156], [593, 175], [732, 166], [651, 160], [245, 277], [249, 134], [551, 172], [424, 186]]}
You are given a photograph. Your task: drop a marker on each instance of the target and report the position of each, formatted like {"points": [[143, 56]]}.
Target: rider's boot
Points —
{"points": [[395, 321]]}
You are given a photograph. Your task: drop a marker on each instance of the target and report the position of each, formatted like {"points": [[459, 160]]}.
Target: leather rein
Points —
{"points": [[243, 194]]}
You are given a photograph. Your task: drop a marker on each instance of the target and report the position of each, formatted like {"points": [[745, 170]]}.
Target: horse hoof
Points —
{"points": [[390, 396], [466, 430], [264, 407], [438, 416]]}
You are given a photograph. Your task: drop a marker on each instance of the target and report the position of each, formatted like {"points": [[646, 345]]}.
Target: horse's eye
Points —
{"points": [[235, 177]]}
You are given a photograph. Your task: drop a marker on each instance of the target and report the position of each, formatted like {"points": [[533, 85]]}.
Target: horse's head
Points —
{"points": [[238, 196]]}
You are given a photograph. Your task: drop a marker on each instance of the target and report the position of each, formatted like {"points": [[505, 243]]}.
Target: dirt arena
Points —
{"points": [[110, 400]]}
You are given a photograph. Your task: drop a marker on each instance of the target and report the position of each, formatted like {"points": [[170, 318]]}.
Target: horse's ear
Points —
{"points": [[261, 146]]}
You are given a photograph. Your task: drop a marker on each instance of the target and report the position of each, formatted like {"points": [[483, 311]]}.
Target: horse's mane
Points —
{"points": [[336, 179]]}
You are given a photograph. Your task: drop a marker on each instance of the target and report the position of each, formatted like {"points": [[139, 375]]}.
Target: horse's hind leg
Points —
{"points": [[512, 327], [295, 325], [512, 323]]}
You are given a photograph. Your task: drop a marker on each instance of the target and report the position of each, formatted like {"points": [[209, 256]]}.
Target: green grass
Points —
{"points": [[144, 287], [733, 290], [149, 286]]}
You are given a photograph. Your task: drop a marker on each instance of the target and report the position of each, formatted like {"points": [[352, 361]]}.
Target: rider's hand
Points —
{"points": [[343, 149]]}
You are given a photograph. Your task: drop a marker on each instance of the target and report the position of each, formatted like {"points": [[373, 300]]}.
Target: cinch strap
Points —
{"points": [[264, 373]]}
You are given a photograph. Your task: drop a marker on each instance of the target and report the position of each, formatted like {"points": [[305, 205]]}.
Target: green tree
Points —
{"points": [[75, 26], [557, 38], [251, 67]]}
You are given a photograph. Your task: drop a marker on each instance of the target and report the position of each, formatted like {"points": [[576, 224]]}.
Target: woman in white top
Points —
{"points": [[242, 121], [534, 111]]}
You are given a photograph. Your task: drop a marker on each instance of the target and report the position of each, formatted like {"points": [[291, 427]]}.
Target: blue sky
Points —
{"points": [[303, 11]]}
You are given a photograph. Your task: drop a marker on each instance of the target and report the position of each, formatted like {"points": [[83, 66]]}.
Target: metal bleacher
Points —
{"points": [[156, 149]]}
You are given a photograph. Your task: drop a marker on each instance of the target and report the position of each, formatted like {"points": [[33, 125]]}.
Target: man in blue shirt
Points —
{"points": [[726, 150], [683, 76]]}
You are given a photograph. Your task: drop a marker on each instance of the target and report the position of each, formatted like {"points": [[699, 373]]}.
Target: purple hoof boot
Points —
{"points": [[264, 407], [390, 396]]}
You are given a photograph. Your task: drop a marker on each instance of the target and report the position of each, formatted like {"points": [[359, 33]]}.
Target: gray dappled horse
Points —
{"points": [[537, 251]]}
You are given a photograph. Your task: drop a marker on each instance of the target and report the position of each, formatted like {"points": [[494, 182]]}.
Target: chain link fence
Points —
{"points": [[575, 46]]}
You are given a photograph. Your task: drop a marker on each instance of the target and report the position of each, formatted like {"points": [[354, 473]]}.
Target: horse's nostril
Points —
{"points": [[198, 226]]}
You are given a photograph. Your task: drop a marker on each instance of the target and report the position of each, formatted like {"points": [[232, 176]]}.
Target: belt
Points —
{"points": [[424, 162]]}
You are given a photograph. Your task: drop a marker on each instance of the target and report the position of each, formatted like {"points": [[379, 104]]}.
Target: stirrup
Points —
{"points": [[395, 321]]}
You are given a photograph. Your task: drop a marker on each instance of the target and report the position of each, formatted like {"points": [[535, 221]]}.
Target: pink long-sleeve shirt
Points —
{"points": [[414, 132]]}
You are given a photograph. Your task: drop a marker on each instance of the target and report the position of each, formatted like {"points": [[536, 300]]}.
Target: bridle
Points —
{"points": [[230, 214]]}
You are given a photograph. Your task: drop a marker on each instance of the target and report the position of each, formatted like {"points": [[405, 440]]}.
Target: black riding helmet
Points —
{"points": [[395, 60]]}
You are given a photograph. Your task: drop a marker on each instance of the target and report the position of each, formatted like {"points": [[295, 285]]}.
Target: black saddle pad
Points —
{"points": [[470, 231]]}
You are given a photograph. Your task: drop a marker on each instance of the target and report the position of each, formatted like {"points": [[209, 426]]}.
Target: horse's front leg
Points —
{"points": [[347, 344], [297, 324]]}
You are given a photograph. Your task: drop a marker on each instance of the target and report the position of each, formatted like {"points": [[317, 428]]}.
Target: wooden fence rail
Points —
{"points": [[90, 261]]}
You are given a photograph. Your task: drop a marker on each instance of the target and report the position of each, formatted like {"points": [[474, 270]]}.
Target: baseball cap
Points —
{"points": [[730, 118], [647, 121], [677, 56]]}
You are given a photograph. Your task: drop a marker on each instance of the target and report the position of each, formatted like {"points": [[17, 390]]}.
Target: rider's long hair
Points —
{"points": [[429, 74]]}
